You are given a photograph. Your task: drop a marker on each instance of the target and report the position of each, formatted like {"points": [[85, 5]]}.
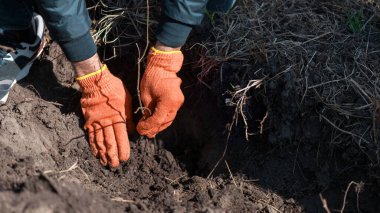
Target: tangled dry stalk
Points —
{"points": [[308, 46], [239, 99], [122, 24]]}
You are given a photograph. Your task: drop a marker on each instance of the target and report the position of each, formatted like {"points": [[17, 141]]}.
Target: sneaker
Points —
{"points": [[15, 65]]}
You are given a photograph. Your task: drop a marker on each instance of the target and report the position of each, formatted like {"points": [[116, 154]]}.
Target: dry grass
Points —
{"points": [[308, 46], [239, 99], [122, 24]]}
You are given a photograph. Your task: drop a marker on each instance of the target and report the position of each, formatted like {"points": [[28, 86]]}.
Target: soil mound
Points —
{"points": [[47, 165]]}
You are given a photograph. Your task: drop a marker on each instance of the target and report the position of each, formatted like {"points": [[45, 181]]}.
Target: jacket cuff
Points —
{"points": [[172, 33], [79, 49]]}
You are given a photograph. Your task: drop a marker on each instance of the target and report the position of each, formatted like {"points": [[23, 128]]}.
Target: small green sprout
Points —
{"points": [[355, 21], [211, 16]]}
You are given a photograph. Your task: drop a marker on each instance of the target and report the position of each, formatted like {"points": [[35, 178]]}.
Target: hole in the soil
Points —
{"points": [[197, 137], [18, 187], [157, 159]]}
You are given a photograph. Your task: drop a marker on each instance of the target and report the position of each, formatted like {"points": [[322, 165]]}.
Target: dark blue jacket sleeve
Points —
{"points": [[177, 19], [179, 16], [69, 24]]}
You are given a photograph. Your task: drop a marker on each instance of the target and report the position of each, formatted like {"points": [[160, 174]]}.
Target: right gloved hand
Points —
{"points": [[107, 109], [160, 91]]}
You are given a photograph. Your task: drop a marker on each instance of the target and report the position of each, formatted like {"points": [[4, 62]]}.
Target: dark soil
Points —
{"points": [[47, 166]]}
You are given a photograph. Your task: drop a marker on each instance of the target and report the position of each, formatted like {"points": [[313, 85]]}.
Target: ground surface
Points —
{"points": [[47, 167]]}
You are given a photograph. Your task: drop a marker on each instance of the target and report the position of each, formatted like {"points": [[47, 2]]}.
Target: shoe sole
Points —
{"points": [[22, 74], [25, 71]]}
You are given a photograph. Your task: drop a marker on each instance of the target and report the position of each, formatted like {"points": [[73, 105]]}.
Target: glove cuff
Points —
{"points": [[170, 61], [98, 82], [104, 67]]}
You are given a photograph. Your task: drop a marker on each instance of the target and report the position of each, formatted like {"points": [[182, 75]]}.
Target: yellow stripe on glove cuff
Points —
{"points": [[104, 67], [156, 51]]}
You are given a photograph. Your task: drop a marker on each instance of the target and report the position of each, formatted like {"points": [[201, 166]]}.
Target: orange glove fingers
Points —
{"points": [[160, 91], [107, 108], [99, 140], [158, 121], [91, 140], [122, 141], [151, 130], [150, 126], [169, 121], [111, 145]]}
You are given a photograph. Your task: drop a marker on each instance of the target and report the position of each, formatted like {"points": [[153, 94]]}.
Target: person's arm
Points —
{"points": [[105, 102], [69, 25], [87, 66], [178, 17], [160, 86]]}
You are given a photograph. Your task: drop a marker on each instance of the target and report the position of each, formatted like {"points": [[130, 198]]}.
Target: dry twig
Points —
{"points": [[324, 203], [358, 189]]}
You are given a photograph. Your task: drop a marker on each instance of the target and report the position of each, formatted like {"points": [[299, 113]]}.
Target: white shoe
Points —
{"points": [[15, 65]]}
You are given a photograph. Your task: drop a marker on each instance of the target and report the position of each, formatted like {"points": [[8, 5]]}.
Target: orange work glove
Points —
{"points": [[106, 106], [160, 91]]}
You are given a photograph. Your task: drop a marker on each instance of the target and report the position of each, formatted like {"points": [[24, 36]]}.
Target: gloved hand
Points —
{"points": [[160, 91], [106, 106]]}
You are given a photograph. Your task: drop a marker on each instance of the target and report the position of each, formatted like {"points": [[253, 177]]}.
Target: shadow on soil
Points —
{"points": [[45, 84]]}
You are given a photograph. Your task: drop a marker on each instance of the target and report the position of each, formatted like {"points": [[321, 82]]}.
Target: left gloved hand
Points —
{"points": [[107, 108], [160, 91]]}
